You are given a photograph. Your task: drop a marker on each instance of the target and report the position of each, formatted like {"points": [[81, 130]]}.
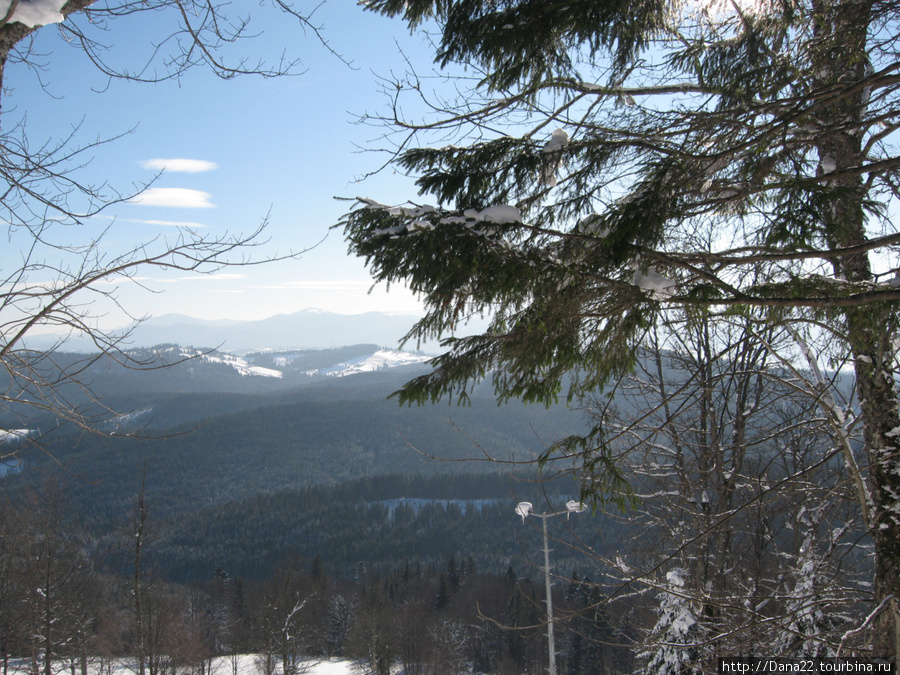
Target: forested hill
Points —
{"points": [[220, 441], [382, 524]]}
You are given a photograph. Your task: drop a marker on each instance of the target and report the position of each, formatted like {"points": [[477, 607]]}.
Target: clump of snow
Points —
{"points": [[502, 214], [676, 577], [594, 226], [559, 139], [426, 217], [652, 280], [33, 13], [413, 211]]}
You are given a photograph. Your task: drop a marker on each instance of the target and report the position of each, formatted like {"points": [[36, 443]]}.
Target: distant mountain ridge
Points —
{"points": [[307, 329]]}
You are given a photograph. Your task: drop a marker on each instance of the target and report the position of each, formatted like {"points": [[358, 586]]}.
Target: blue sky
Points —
{"points": [[284, 147]]}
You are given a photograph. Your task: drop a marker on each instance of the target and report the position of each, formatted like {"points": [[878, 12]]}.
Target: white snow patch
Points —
{"points": [[33, 13], [129, 418], [593, 226], [827, 164], [246, 664], [502, 214], [426, 217], [558, 140], [380, 360], [676, 577], [652, 280], [12, 435], [241, 365]]}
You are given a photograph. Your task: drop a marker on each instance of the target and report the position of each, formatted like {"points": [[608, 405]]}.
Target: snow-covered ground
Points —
{"points": [[246, 664], [380, 360], [241, 365], [384, 358], [14, 435]]}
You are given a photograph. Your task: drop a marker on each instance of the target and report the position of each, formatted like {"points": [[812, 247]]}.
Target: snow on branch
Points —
{"points": [[31, 13]]}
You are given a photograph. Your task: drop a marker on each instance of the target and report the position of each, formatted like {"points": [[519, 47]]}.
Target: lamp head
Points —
{"points": [[575, 507], [524, 509]]}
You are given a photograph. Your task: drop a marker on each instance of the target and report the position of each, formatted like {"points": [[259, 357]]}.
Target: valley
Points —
{"points": [[246, 459]]}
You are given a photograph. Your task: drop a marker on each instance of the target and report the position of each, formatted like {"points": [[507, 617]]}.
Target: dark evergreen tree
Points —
{"points": [[443, 593], [453, 574], [618, 162]]}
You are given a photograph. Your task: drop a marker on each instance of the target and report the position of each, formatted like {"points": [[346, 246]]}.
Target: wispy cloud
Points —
{"points": [[315, 285], [220, 276], [329, 284], [168, 223], [161, 223], [180, 165], [178, 197], [339, 285]]}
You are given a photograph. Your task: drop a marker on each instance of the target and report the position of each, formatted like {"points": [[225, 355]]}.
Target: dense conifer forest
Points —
{"points": [[318, 519], [59, 599]]}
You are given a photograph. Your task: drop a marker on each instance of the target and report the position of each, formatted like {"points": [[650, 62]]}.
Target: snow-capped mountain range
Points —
{"points": [[306, 329]]}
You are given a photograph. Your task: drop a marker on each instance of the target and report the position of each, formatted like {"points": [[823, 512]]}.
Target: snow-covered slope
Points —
{"points": [[241, 365], [279, 364], [380, 360]]}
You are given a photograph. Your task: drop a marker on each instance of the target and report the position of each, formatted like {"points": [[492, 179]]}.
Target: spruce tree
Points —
{"points": [[675, 633], [614, 162]]}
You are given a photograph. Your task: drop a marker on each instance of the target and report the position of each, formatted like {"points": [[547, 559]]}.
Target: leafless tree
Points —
{"points": [[54, 576], [746, 518], [67, 270]]}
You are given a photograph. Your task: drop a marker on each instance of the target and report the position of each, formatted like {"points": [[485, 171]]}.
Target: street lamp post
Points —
{"points": [[526, 509]]}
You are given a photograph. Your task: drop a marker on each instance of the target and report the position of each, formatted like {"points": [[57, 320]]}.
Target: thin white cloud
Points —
{"points": [[180, 165], [162, 223], [168, 223], [115, 281], [53, 285], [329, 284], [178, 197], [223, 276]]}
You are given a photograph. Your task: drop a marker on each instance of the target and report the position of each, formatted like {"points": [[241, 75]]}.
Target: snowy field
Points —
{"points": [[246, 664]]}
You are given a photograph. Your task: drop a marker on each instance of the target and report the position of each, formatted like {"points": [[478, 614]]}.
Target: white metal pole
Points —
{"points": [[551, 646], [526, 509]]}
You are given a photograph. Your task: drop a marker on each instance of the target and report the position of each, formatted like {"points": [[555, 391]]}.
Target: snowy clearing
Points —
{"points": [[384, 358], [241, 365]]}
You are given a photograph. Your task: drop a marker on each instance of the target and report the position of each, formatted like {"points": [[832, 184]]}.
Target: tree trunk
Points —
{"points": [[841, 59], [140, 629]]}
